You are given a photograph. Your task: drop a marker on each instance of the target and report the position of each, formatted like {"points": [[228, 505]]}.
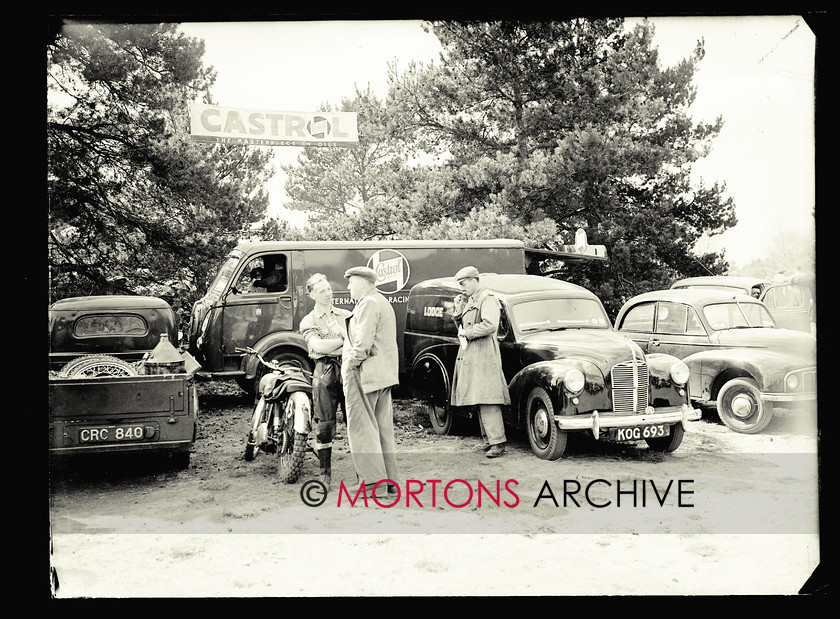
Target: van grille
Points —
{"points": [[630, 387]]}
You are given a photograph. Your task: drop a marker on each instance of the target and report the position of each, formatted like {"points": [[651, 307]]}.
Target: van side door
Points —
{"points": [[258, 302]]}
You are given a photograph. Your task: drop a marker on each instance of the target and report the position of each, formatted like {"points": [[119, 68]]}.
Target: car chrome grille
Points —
{"points": [[809, 382], [630, 387]]}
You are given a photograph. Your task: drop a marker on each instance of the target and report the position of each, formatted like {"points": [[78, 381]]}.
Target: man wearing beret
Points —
{"points": [[478, 379], [369, 369]]}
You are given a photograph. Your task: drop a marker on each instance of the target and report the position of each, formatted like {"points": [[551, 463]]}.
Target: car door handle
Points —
{"points": [[654, 342]]}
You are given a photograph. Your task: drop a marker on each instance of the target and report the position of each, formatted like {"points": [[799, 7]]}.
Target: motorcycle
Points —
{"points": [[282, 417]]}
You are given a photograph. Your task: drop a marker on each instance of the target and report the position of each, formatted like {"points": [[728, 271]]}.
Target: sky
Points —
{"points": [[758, 73]]}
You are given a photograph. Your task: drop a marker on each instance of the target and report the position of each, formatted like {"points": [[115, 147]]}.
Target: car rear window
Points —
{"points": [[110, 324], [431, 314]]}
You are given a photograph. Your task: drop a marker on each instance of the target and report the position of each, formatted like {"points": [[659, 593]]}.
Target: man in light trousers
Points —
{"points": [[369, 369], [478, 379]]}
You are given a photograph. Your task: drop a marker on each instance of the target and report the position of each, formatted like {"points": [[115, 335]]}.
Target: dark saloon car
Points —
{"points": [[116, 382], [567, 369], [739, 359], [123, 327]]}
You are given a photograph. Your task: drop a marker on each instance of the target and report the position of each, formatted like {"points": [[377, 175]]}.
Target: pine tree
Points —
{"points": [[134, 205]]}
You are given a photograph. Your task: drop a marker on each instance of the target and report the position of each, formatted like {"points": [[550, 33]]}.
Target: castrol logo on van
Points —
{"points": [[392, 270]]}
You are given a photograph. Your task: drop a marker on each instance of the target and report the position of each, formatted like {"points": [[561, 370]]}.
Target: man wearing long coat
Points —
{"points": [[478, 379]]}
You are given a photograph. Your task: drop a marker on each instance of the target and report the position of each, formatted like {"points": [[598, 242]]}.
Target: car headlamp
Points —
{"points": [[680, 373], [574, 381], [792, 382]]}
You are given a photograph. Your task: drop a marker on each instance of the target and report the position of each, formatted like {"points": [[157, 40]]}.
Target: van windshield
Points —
{"points": [[556, 314], [222, 278]]}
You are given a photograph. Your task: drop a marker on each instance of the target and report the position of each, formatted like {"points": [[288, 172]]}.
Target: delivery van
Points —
{"points": [[258, 296]]}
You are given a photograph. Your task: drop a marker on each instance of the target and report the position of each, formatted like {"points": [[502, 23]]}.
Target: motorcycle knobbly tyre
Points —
{"points": [[257, 417], [291, 456], [250, 448]]}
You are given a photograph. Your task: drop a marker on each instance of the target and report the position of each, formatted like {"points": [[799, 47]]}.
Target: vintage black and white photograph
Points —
{"points": [[439, 307]]}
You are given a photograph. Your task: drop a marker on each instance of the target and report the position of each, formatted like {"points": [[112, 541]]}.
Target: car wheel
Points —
{"points": [[547, 441], [93, 366], [667, 443], [741, 408], [180, 460], [245, 384], [442, 420]]}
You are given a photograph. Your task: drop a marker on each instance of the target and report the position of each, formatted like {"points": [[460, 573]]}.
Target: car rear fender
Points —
{"points": [[431, 373]]}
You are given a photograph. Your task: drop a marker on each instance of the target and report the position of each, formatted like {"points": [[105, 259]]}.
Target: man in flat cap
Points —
{"points": [[478, 379], [369, 369]]}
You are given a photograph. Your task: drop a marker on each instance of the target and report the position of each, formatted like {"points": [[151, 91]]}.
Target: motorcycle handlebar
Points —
{"points": [[271, 365], [250, 351]]}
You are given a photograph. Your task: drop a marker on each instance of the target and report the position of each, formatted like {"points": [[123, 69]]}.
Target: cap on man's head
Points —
{"points": [[466, 272], [364, 272]]}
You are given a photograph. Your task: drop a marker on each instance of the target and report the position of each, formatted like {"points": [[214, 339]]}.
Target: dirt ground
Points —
{"points": [[725, 514]]}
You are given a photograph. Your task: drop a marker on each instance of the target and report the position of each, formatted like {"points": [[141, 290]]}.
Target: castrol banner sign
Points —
{"points": [[226, 125]]}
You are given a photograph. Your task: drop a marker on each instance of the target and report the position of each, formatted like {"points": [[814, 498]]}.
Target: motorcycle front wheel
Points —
{"points": [[256, 419]]}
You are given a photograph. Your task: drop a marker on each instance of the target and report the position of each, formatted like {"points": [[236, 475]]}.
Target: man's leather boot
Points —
{"points": [[325, 459], [496, 450]]}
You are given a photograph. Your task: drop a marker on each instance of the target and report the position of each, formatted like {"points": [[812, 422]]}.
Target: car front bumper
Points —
{"points": [[600, 420]]}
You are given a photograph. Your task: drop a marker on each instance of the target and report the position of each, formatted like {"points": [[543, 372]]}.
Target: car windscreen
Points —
{"points": [[551, 314], [723, 316]]}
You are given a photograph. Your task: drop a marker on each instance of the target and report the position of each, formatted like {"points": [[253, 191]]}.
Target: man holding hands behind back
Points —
{"points": [[478, 378], [369, 368]]}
